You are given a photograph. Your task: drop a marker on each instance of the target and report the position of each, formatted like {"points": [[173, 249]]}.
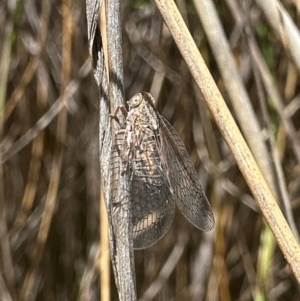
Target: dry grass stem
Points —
{"points": [[63, 73]]}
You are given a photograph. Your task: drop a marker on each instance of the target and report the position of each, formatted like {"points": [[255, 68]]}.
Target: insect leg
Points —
{"points": [[115, 117]]}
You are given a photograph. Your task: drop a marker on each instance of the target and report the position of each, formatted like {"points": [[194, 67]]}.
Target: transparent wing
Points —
{"points": [[151, 207], [187, 190], [150, 229], [150, 187]]}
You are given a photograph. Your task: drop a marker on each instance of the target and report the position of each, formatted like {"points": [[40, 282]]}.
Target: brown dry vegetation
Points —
{"points": [[50, 180]]}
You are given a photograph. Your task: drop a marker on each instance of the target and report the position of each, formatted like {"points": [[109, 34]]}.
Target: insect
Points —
{"points": [[150, 153]]}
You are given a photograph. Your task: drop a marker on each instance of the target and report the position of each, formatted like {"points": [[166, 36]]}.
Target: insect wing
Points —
{"points": [[150, 205], [187, 190], [148, 229]]}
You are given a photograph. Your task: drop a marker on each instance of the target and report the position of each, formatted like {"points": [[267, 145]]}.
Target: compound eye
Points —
{"points": [[135, 100]]}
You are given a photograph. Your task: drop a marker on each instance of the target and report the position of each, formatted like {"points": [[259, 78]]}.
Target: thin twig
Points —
{"points": [[275, 95], [282, 189], [235, 87], [28, 291], [122, 255], [166, 270], [284, 27], [111, 96], [6, 261], [32, 65], [232, 135], [42, 123]]}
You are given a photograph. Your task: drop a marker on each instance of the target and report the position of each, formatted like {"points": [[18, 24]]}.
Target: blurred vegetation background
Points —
{"points": [[50, 187]]}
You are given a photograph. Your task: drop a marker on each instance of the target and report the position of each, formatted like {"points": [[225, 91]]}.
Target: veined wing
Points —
{"points": [[187, 190], [150, 229], [151, 207]]}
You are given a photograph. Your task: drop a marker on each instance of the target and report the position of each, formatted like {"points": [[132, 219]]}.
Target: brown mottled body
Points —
{"points": [[161, 173]]}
